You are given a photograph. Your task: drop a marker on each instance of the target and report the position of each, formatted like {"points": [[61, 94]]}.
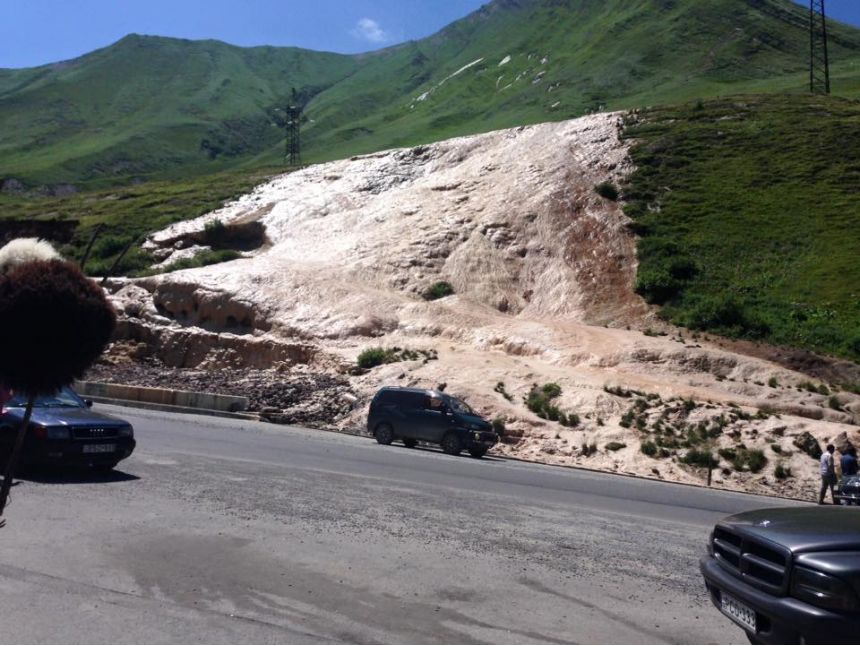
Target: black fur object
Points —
{"points": [[54, 323]]}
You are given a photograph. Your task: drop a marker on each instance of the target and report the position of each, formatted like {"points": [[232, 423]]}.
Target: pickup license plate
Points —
{"points": [[99, 448], [741, 613]]}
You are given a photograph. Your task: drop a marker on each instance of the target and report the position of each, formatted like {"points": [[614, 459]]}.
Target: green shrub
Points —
{"points": [[649, 448], [833, 402], [780, 472], [438, 290], [588, 450], [776, 448], [572, 419], [499, 426], [373, 357], [551, 391], [539, 401], [214, 232], [201, 259], [756, 460], [615, 446], [727, 454], [607, 190], [627, 419], [773, 383], [700, 458], [500, 388]]}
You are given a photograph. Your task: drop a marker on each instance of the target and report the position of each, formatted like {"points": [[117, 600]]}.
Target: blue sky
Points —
{"points": [[34, 32]]}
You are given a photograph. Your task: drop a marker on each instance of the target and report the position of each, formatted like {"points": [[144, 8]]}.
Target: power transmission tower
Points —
{"points": [[819, 63], [293, 152]]}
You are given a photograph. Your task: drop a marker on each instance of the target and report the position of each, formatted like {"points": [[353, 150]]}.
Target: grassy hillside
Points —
{"points": [[148, 106], [749, 213], [128, 213], [160, 108], [541, 60]]}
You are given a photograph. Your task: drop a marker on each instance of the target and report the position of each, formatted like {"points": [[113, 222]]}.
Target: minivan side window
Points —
{"points": [[413, 401], [433, 403]]}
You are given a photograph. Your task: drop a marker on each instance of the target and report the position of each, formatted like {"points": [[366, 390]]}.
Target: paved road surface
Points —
{"points": [[223, 531]]}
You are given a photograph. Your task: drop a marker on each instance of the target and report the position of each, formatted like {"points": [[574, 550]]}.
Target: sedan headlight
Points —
{"points": [[822, 590], [58, 433], [125, 431]]}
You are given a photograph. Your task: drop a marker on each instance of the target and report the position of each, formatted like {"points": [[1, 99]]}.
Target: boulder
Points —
{"points": [[808, 444], [842, 443]]}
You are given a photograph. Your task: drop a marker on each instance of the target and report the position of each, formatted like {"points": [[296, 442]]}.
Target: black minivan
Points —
{"points": [[414, 415]]}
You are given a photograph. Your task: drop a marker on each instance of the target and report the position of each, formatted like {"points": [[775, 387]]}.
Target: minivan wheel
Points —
{"points": [[451, 444], [409, 443], [478, 451], [384, 434]]}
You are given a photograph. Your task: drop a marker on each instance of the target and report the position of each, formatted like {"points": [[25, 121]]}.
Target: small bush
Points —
{"points": [[649, 448], [781, 473], [373, 357], [607, 190], [833, 402], [773, 383], [704, 459], [627, 419], [551, 390], [776, 448], [727, 454], [756, 460], [588, 449], [214, 232], [438, 290], [500, 388], [499, 426], [572, 419], [615, 446]]}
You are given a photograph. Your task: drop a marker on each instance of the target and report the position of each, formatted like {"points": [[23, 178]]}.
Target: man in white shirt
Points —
{"points": [[828, 474]]}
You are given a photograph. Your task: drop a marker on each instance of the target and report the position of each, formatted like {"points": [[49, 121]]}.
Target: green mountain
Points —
{"points": [[146, 105], [149, 107]]}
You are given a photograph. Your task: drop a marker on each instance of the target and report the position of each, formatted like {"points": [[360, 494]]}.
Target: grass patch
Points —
{"points": [[607, 190], [377, 356], [201, 259], [438, 290], [746, 237], [700, 458]]}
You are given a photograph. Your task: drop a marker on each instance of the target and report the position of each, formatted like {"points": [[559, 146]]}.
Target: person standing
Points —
{"points": [[828, 474], [849, 462]]}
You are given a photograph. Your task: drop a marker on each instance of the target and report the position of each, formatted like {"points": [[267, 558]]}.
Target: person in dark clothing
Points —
{"points": [[849, 462]]}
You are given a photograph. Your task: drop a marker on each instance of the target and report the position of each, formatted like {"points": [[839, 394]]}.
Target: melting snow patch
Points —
{"points": [[505, 60], [462, 69], [424, 95]]}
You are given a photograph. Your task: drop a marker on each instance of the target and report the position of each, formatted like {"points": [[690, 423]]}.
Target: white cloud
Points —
{"points": [[370, 30]]}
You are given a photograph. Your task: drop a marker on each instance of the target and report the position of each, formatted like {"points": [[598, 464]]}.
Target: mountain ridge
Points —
{"points": [[157, 107]]}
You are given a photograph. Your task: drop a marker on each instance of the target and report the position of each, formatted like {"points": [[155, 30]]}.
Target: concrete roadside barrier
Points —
{"points": [[163, 396]]}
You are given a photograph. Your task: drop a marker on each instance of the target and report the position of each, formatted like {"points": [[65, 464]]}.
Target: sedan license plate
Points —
{"points": [[99, 448], [741, 613]]}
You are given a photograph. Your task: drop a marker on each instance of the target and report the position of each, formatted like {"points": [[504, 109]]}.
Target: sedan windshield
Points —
{"points": [[459, 406], [63, 398]]}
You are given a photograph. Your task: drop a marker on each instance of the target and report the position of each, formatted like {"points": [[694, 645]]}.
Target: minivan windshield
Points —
{"points": [[63, 398], [459, 406]]}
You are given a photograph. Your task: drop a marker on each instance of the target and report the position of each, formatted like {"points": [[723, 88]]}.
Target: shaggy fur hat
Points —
{"points": [[23, 250], [54, 321]]}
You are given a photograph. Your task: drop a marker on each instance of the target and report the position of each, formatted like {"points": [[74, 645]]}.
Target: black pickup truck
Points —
{"points": [[789, 575]]}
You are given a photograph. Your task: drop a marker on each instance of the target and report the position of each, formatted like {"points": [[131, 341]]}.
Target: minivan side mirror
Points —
{"points": [[89, 403]]}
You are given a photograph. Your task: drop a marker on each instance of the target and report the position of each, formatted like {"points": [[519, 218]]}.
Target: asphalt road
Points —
{"points": [[223, 531]]}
